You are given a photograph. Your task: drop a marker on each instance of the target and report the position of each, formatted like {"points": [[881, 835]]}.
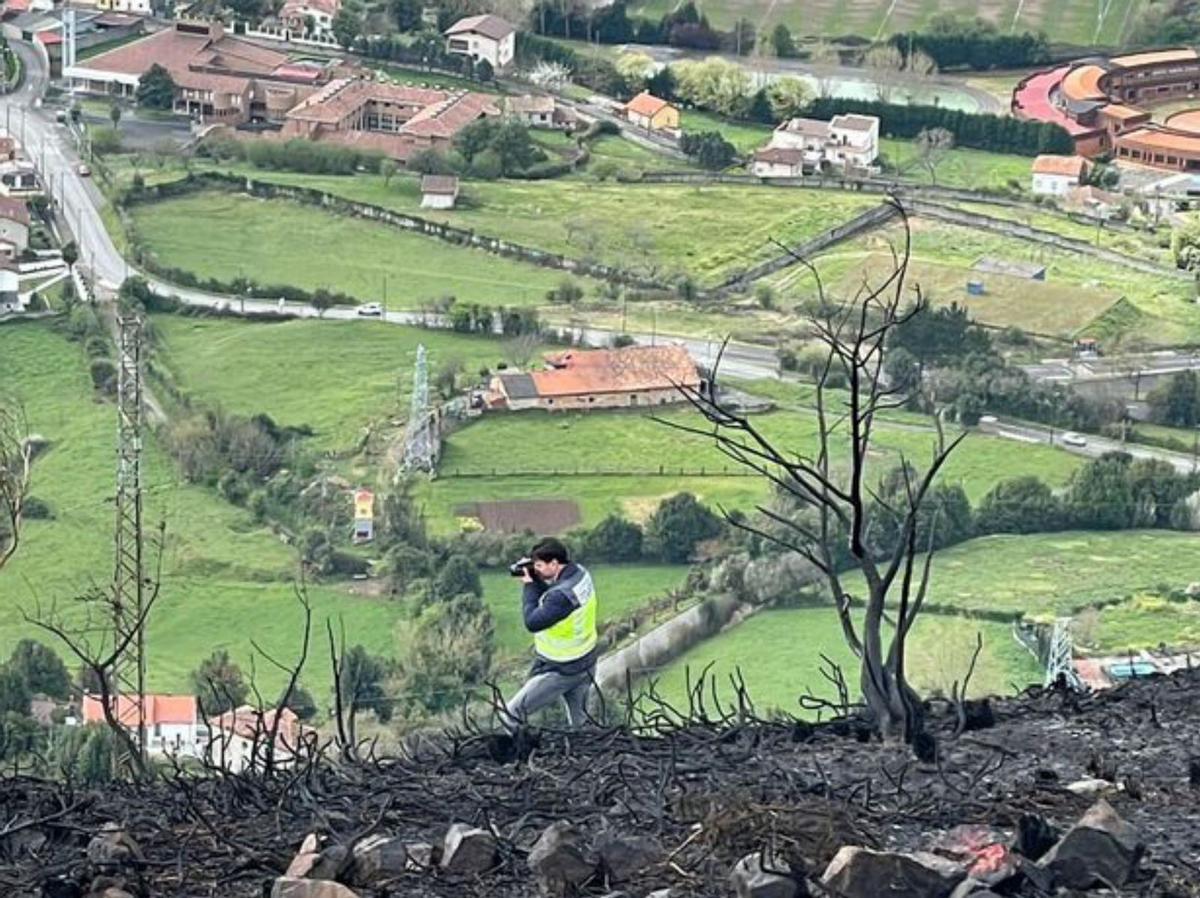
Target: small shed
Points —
{"points": [[438, 191]]}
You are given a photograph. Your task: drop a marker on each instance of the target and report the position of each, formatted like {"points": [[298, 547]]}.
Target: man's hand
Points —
{"points": [[526, 577]]}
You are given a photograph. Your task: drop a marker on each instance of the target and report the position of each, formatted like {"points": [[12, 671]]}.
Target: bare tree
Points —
{"points": [[16, 461], [836, 501], [885, 62], [933, 145], [520, 350], [90, 634]]}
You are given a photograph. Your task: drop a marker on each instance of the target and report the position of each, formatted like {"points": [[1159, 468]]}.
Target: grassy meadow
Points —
{"points": [[223, 235], [1154, 310], [708, 231], [778, 653], [226, 580]]}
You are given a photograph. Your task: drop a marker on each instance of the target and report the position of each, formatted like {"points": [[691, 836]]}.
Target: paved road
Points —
{"points": [[1094, 446]]}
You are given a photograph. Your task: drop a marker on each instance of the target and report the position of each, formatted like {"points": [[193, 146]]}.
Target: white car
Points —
{"points": [[987, 419], [1073, 439], [370, 310]]}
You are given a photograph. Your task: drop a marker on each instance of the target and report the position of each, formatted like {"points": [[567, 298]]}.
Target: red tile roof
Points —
{"points": [[447, 118], [779, 156], [646, 104], [632, 368], [250, 723], [173, 709], [1083, 83], [439, 184], [1068, 166]]}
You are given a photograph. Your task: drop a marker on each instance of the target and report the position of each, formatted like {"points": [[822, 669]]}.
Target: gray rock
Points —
{"points": [[1090, 787], [972, 888], [377, 857], [112, 846], [751, 880], [860, 873], [290, 887], [420, 855], [559, 860], [468, 849], [1100, 849], [669, 892], [622, 857], [331, 862]]}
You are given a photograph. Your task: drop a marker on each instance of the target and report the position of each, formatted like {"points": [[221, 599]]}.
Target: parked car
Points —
{"points": [[370, 310], [84, 171], [987, 419], [1073, 439]]}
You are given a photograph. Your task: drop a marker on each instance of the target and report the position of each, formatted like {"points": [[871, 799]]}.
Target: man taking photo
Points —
{"points": [[559, 601]]}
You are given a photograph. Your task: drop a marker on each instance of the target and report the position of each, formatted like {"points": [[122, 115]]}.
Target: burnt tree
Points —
{"points": [[832, 488], [16, 458]]}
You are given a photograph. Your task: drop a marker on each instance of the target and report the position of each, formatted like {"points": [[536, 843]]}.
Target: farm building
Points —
{"points": [[600, 378], [654, 114], [1056, 175], [438, 191], [483, 37]]}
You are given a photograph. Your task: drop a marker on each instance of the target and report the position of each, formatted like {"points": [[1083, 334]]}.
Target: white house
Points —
{"points": [[19, 177], [1057, 175], [778, 162], [240, 739], [854, 140], [297, 14], [14, 226], [845, 142], [10, 291], [170, 721], [438, 191], [483, 37]]}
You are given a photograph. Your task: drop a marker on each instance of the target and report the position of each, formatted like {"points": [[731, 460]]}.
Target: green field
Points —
{"points": [[960, 167], [778, 654], [224, 235], [226, 580], [1042, 575], [1141, 624], [1044, 308], [355, 372], [1070, 21], [1156, 309], [1059, 573], [660, 230], [633, 443]]}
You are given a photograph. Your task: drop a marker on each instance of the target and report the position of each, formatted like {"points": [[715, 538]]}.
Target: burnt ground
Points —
{"points": [[702, 795], [523, 515]]}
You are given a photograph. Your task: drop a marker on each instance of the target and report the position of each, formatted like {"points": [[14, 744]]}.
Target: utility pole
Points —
{"points": [[129, 581]]}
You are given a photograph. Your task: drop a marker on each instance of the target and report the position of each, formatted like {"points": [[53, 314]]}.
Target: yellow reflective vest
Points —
{"points": [[575, 635]]}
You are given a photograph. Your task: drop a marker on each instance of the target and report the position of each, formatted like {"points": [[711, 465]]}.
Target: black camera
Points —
{"points": [[520, 566]]}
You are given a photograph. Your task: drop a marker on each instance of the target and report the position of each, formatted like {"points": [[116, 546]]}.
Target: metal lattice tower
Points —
{"points": [[420, 441], [129, 677], [1061, 660]]}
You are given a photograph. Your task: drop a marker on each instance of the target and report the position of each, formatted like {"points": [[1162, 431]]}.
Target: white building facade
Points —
{"points": [[483, 37]]}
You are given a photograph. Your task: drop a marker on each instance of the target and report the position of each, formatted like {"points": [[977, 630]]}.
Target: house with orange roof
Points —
{"points": [[241, 737], [629, 377], [170, 721], [652, 113], [1057, 175]]}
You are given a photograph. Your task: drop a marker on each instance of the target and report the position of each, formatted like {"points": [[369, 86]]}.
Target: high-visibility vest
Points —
{"points": [[575, 635]]}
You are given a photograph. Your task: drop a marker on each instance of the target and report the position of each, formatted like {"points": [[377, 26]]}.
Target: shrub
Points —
{"points": [[613, 539]]}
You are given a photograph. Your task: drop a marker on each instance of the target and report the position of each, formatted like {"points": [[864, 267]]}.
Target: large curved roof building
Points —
{"points": [[1104, 103]]}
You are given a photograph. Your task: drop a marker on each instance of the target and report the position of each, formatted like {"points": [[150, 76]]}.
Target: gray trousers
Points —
{"points": [[542, 689]]}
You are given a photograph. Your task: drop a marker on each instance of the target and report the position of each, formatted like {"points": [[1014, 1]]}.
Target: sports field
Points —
{"points": [[1103, 22]]}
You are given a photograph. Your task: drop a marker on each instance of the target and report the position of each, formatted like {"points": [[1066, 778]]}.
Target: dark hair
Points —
{"points": [[550, 549]]}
